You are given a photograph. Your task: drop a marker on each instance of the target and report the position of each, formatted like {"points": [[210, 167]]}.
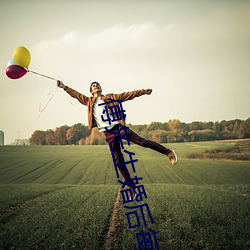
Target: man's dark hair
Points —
{"points": [[92, 84]]}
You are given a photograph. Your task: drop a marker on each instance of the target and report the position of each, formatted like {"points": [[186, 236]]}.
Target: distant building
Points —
{"points": [[1, 138]]}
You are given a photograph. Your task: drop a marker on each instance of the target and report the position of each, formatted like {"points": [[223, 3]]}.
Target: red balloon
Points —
{"points": [[15, 71]]}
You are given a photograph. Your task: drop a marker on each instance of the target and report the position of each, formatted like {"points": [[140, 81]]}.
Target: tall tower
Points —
{"points": [[1, 138]]}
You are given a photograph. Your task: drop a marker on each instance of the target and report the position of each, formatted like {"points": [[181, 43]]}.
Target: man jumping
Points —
{"points": [[96, 104]]}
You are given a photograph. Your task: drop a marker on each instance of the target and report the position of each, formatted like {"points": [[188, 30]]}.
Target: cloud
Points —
{"points": [[109, 48], [107, 38], [115, 40], [119, 35], [68, 38], [201, 42]]}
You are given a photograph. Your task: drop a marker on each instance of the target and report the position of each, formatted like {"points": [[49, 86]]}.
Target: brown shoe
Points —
{"points": [[172, 157], [133, 195]]}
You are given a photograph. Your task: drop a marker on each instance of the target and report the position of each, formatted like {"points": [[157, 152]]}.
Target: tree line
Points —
{"points": [[172, 131]]}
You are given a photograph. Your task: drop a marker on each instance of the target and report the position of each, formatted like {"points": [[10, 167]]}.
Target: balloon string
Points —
{"points": [[31, 71], [71, 103], [50, 96]]}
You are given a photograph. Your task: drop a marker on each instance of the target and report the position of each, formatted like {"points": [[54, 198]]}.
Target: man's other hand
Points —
{"points": [[148, 91]]}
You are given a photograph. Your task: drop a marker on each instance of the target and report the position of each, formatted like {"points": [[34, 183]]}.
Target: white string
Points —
{"points": [[51, 78], [71, 103], [49, 96]]}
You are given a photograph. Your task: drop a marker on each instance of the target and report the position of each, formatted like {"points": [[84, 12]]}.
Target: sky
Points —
{"points": [[195, 55]]}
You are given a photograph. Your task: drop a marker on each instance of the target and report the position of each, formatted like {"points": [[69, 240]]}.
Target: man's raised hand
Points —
{"points": [[60, 84]]}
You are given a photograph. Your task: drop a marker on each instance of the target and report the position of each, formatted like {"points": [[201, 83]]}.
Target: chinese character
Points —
{"points": [[124, 163], [116, 111], [130, 179], [145, 240], [138, 190], [137, 217], [121, 136], [129, 194]]}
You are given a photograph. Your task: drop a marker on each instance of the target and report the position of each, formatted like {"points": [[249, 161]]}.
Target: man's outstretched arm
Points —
{"points": [[131, 95], [80, 97]]}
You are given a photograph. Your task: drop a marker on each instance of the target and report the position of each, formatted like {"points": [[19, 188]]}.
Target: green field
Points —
{"points": [[62, 197]]}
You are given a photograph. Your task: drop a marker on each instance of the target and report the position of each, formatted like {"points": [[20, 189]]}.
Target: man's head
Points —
{"points": [[95, 87]]}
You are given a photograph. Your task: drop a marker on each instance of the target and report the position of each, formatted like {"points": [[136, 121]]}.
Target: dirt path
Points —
{"points": [[112, 231]]}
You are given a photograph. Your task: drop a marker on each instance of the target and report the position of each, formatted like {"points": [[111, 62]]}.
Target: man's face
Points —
{"points": [[95, 88]]}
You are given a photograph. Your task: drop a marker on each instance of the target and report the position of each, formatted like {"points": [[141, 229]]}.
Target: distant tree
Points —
{"points": [[202, 135], [38, 138], [207, 135], [70, 135], [96, 137], [60, 134], [50, 137], [209, 125], [77, 132], [174, 124], [185, 130], [196, 126], [217, 129], [82, 142], [245, 129], [157, 126], [236, 128], [159, 135], [145, 133], [175, 133], [141, 130], [86, 141], [81, 131], [137, 128]]}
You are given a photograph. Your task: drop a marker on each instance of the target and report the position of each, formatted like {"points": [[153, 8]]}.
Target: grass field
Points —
{"points": [[62, 197]]}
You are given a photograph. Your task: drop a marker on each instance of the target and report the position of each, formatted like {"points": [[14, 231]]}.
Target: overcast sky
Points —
{"points": [[195, 55]]}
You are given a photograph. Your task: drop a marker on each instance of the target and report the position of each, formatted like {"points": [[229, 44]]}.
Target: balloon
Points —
{"points": [[15, 71], [22, 56], [11, 62]]}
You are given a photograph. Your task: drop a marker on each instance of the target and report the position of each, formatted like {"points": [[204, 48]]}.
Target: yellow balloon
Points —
{"points": [[22, 56]]}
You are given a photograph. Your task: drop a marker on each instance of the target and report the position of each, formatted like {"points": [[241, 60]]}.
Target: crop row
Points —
{"points": [[64, 218]]}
